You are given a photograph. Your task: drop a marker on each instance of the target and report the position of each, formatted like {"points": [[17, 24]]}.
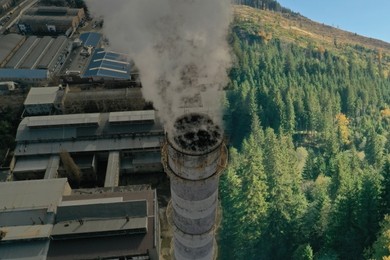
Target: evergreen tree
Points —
{"points": [[381, 246], [374, 149]]}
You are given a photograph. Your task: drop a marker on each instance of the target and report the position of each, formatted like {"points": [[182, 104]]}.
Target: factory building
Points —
{"points": [[106, 224], [194, 156], [47, 144], [50, 20], [40, 53], [56, 11], [44, 100], [65, 100], [27, 213], [108, 65], [25, 76], [8, 45], [46, 219]]}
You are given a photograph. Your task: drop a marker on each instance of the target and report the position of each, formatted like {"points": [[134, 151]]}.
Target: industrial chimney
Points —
{"points": [[194, 155]]}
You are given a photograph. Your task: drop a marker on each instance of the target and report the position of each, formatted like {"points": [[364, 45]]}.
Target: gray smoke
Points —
{"points": [[179, 46]]}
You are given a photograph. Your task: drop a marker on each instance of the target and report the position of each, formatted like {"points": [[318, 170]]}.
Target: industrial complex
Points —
{"points": [[46, 219], [74, 183]]}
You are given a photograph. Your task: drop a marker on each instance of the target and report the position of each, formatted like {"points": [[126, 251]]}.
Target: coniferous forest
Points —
{"points": [[309, 173]]}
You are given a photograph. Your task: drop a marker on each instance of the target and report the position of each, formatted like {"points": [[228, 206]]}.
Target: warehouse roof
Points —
{"points": [[107, 64], [129, 240], [24, 74], [32, 194], [37, 52], [52, 10], [50, 58], [62, 20], [83, 132], [41, 95], [90, 39], [8, 43], [21, 53]]}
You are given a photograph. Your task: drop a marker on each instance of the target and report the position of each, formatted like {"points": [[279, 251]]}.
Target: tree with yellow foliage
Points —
{"points": [[385, 113], [342, 123]]}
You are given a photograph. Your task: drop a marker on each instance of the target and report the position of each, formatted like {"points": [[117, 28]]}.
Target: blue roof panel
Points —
{"points": [[90, 39], [108, 64], [24, 73]]}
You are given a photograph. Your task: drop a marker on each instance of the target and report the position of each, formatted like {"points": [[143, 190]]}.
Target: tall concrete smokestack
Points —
{"points": [[194, 155]]}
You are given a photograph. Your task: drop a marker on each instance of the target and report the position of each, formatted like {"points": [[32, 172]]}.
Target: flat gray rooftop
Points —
{"points": [[32, 194], [17, 233], [41, 95]]}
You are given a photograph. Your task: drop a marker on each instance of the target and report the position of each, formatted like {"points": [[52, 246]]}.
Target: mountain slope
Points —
{"points": [[290, 27]]}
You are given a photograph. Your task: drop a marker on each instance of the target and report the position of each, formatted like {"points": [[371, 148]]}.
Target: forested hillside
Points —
{"points": [[310, 139]]}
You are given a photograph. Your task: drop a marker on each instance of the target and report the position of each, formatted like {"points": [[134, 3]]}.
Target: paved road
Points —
{"points": [[15, 14]]}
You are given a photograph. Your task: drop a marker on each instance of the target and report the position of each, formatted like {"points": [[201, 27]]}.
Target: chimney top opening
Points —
{"points": [[196, 133]]}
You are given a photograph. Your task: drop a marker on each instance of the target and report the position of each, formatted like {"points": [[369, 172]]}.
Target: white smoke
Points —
{"points": [[179, 46]]}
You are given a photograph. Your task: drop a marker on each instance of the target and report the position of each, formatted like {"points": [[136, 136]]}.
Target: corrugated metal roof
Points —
{"points": [[132, 116], [90, 39], [22, 53], [90, 227], [8, 43], [24, 74], [107, 64], [16, 233], [41, 95], [51, 56], [37, 53], [32, 194]]}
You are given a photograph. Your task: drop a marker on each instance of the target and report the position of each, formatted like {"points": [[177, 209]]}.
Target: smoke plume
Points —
{"points": [[179, 46]]}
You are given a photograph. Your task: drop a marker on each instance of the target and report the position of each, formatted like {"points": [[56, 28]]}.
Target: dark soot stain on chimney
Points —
{"points": [[196, 133]]}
